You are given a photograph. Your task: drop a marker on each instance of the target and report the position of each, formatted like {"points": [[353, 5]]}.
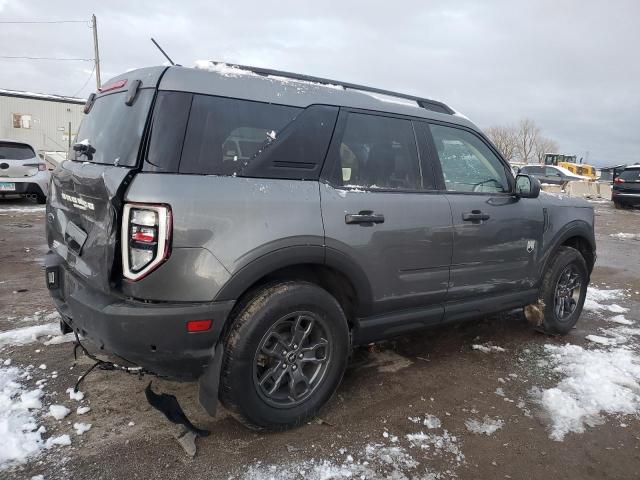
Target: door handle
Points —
{"points": [[475, 216], [364, 217]]}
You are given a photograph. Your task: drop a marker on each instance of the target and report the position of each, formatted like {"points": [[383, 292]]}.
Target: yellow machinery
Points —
{"points": [[569, 162]]}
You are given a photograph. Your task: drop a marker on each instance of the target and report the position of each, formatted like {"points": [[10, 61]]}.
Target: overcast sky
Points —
{"points": [[572, 66]]}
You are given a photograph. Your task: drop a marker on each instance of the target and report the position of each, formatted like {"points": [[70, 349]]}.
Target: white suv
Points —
{"points": [[22, 172]]}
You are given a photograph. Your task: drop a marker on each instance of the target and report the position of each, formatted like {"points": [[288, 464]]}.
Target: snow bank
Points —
{"points": [[595, 382], [486, 426], [25, 335]]}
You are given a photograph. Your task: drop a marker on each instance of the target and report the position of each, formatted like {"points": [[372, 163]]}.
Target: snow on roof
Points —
{"points": [[227, 70], [41, 96]]}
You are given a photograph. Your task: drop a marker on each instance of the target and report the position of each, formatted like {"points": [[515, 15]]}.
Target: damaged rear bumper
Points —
{"points": [[151, 335]]}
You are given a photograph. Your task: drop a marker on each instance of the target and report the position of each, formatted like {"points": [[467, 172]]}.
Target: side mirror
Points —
{"points": [[527, 186]]}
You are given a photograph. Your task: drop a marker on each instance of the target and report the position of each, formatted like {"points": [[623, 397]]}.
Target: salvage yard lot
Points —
{"points": [[486, 399]]}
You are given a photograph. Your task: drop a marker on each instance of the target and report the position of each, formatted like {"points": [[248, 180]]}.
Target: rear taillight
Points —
{"points": [[42, 167], [618, 180], [146, 237]]}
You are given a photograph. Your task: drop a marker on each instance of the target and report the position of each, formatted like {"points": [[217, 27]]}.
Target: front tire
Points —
{"points": [[563, 291], [285, 355]]}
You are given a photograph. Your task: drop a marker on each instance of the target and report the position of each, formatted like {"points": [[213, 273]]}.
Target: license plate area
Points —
{"points": [[7, 186]]}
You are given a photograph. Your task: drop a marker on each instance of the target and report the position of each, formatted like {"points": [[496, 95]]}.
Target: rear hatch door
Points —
{"points": [[85, 202], [629, 181], [17, 160]]}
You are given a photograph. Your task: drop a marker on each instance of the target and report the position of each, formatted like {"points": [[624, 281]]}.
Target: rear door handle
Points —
{"points": [[364, 217], [475, 216]]}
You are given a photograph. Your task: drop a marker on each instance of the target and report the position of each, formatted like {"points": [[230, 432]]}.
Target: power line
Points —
{"points": [[85, 83], [11, 57], [41, 22]]}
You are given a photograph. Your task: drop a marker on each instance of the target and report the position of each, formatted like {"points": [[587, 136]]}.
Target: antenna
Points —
{"points": [[163, 52]]}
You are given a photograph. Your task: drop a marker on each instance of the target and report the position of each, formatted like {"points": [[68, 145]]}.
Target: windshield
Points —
{"points": [[15, 151], [113, 129]]}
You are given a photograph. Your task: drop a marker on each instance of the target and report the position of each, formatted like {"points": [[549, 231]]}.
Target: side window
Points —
{"points": [[377, 152], [468, 165], [550, 171], [225, 134]]}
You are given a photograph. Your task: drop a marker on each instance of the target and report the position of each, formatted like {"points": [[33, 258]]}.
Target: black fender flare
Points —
{"points": [[575, 228], [290, 256]]}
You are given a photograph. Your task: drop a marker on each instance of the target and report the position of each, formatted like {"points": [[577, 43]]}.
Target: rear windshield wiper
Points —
{"points": [[84, 148]]}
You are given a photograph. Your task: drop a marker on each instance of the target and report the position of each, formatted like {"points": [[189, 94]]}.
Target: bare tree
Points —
{"points": [[544, 145], [505, 138], [528, 132]]}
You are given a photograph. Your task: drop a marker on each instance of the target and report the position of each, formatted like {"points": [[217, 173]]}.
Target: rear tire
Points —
{"points": [[563, 291], [618, 205], [285, 355]]}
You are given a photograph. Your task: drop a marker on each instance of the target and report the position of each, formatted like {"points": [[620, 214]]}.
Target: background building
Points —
{"points": [[43, 121]]}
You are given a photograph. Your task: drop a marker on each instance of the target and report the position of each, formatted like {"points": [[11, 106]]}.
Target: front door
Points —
{"points": [[497, 236], [381, 211]]}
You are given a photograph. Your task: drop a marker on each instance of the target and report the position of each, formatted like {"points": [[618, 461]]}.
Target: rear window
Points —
{"points": [[632, 175], [15, 151], [225, 134], [114, 129]]}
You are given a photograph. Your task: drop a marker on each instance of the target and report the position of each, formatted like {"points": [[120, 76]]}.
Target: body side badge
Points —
{"points": [[531, 246]]}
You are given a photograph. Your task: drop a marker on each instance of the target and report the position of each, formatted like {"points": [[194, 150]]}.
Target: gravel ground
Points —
{"points": [[425, 406]]}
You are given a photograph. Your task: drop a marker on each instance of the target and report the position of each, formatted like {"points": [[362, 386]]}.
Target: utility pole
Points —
{"points": [[94, 27]]}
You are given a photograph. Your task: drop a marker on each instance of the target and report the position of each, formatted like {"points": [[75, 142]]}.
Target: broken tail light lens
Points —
{"points": [[146, 237]]}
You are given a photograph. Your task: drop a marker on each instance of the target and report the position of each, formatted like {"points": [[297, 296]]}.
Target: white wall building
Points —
{"points": [[39, 120]]}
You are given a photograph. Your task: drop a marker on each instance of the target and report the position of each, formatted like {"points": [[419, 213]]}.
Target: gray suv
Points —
{"points": [[246, 227]]}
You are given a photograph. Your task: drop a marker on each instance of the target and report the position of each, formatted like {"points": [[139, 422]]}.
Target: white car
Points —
{"points": [[22, 172]]}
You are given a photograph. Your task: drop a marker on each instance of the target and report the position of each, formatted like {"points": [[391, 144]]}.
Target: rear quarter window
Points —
{"points": [[15, 151], [224, 135]]}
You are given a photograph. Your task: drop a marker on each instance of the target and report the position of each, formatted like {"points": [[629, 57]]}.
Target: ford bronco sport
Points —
{"points": [[246, 227]]}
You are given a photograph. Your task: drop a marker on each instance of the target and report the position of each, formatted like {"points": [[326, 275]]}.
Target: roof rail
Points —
{"points": [[425, 103]]}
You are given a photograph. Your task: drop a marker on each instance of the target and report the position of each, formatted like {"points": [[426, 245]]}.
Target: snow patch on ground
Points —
{"points": [[81, 428], [628, 236], [58, 411], [398, 459], [73, 395], [25, 335], [486, 426], [22, 209], [595, 382], [57, 340], [601, 340], [621, 320], [596, 296], [21, 437], [486, 348]]}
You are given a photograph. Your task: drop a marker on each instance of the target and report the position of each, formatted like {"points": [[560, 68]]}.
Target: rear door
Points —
{"points": [[84, 204], [381, 211], [496, 235]]}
